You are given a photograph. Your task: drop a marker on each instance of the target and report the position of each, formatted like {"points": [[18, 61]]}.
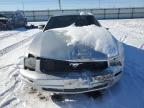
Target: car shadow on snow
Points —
{"points": [[127, 93], [72, 97]]}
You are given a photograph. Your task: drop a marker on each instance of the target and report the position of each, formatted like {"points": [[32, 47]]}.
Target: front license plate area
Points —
{"points": [[71, 84]]}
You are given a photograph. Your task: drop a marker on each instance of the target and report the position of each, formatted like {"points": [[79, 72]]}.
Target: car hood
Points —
{"points": [[70, 43]]}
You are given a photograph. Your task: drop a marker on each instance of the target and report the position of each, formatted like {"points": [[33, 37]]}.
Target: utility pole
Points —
{"points": [[59, 4], [99, 3], [23, 5]]}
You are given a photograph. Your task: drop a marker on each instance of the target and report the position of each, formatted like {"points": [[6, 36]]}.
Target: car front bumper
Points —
{"points": [[71, 85]]}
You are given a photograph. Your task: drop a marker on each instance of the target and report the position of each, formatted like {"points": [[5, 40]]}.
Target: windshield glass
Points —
{"points": [[64, 21]]}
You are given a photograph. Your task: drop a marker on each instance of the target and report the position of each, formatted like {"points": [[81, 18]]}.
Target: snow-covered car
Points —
{"points": [[73, 54], [11, 20], [5, 22], [19, 19]]}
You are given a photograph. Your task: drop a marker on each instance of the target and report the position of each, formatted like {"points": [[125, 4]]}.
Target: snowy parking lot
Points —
{"points": [[127, 93]]}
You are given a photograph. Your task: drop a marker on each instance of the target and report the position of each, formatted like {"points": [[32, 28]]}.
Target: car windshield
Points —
{"points": [[64, 21]]}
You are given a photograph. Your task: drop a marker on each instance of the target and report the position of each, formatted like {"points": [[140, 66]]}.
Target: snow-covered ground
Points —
{"points": [[128, 93]]}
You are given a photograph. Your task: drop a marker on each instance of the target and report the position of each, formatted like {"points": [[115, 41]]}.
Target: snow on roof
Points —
{"points": [[77, 13]]}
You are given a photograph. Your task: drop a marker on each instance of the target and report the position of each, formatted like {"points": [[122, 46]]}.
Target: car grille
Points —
{"points": [[52, 65]]}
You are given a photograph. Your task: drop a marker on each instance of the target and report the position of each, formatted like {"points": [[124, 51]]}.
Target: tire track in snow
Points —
{"points": [[8, 102], [9, 35], [9, 89], [12, 47], [5, 33], [23, 34], [8, 95], [6, 66]]}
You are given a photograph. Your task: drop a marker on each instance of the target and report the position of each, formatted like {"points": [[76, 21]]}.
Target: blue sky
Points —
{"points": [[67, 4]]}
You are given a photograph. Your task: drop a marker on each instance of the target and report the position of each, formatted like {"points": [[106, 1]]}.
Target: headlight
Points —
{"points": [[115, 61], [30, 63]]}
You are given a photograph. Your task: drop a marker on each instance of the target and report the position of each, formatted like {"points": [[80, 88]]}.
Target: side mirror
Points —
{"points": [[107, 28], [41, 26]]}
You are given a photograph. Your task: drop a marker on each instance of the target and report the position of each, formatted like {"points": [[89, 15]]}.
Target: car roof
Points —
{"points": [[69, 15], [75, 14]]}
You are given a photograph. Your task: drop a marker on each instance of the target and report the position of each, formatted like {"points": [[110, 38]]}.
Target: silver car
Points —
{"points": [[73, 54]]}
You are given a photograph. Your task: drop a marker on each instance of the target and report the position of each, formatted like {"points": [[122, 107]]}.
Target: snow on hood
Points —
{"points": [[66, 43]]}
